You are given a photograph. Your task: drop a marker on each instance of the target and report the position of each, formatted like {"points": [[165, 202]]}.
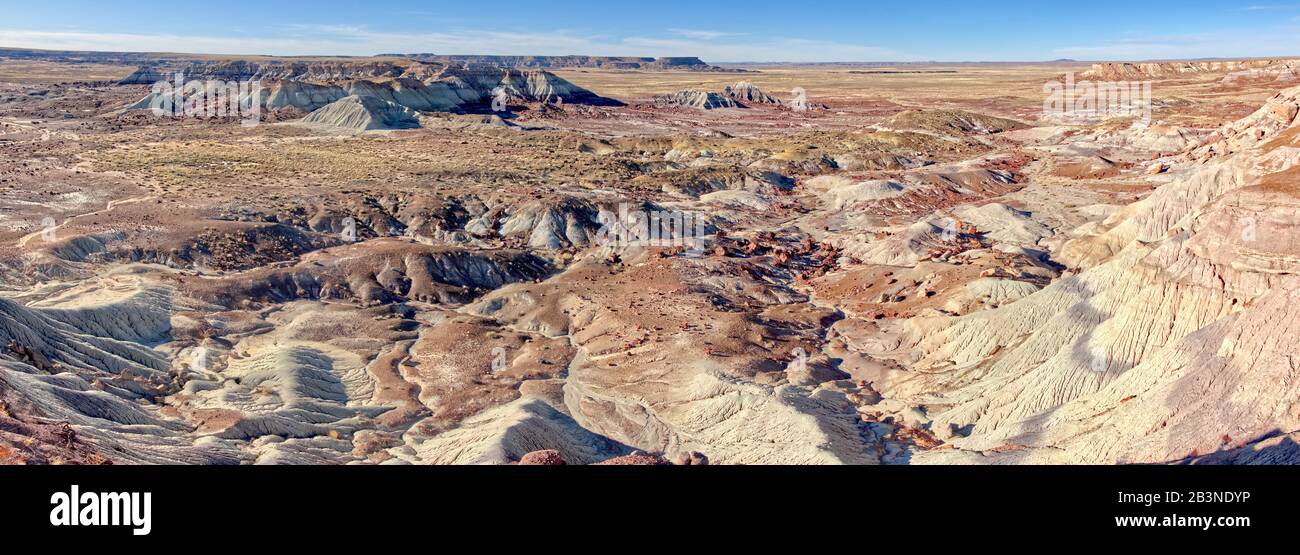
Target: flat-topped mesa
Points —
{"points": [[688, 63], [244, 70], [520, 85], [567, 62], [1115, 71], [420, 86]]}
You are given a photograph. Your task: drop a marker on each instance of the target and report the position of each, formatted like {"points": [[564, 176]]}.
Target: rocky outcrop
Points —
{"points": [[543, 224], [543, 458], [540, 86], [867, 206], [363, 113], [1169, 343], [737, 95], [1118, 71], [951, 122], [245, 70], [509, 433], [381, 271], [699, 100], [748, 93], [1278, 114], [420, 87], [62, 341], [713, 389], [63, 365]]}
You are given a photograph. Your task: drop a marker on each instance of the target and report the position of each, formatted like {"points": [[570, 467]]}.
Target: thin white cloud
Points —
{"points": [[127, 42], [700, 34], [1270, 7], [1281, 41], [311, 39]]}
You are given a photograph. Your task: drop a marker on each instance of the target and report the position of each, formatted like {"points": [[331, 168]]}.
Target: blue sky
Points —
{"points": [[717, 30]]}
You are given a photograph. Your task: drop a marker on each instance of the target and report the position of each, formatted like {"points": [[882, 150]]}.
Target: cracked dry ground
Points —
{"points": [[913, 284]]}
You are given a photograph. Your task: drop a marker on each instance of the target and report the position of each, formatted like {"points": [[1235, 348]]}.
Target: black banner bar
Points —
{"points": [[327, 505]]}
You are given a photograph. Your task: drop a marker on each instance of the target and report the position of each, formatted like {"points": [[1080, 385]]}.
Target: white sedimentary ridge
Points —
{"points": [[202, 90], [1171, 342]]}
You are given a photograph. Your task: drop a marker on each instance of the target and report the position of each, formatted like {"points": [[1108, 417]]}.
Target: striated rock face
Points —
{"points": [[737, 95], [1153, 137], [408, 93], [363, 113], [509, 433], [59, 339], [541, 86], [243, 70], [64, 365], [387, 271], [417, 86], [863, 205], [546, 225], [712, 389], [699, 100], [1116, 71], [1277, 115], [748, 93], [1170, 342]]}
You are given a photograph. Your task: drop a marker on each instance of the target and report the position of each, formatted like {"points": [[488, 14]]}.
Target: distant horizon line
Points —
{"points": [[716, 63]]}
